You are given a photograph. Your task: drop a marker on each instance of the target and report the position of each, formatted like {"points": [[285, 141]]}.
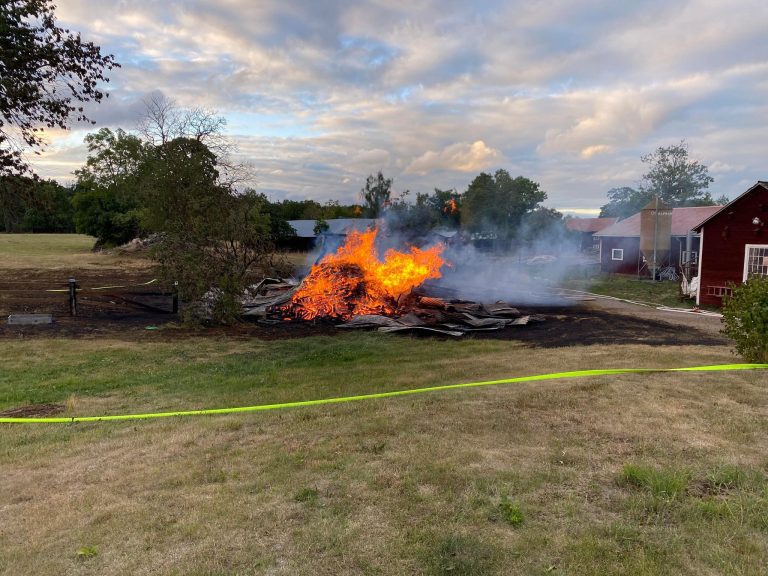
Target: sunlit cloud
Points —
{"points": [[462, 156], [320, 94]]}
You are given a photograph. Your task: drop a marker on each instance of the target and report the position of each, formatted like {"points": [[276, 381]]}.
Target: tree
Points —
{"points": [[107, 198], [34, 205], [376, 195], [497, 204], [213, 240], [542, 222], [675, 179], [321, 227], [332, 209], [411, 220], [46, 74], [50, 209], [15, 195], [447, 204], [180, 185], [623, 202], [164, 120]]}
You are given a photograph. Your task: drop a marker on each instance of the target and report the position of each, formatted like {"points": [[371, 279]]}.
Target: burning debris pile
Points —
{"points": [[353, 287], [353, 282]]}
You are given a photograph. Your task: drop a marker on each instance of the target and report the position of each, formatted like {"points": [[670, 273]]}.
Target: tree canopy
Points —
{"points": [[497, 204], [34, 205], [376, 194], [47, 73], [672, 176], [107, 198]]}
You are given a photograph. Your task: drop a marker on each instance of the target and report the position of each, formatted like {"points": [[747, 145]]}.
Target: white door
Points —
{"points": [[755, 260]]}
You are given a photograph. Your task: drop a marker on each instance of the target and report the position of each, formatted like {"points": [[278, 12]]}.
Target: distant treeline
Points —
{"points": [[29, 205], [33, 205]]}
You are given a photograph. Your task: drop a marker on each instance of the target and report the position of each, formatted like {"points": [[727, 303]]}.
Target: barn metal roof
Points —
{"points": [[589, 224], [336, 226], [683, 219]]}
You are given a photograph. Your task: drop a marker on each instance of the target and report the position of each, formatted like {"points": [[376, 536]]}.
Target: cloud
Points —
{"points": [[320, 94], [590, 151], [462, 156]]}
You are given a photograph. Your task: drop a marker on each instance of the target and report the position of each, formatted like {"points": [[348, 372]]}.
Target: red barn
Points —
{"points": [[734, 245], [620, 243]]}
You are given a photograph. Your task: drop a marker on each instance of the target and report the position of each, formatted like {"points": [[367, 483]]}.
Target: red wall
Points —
{"points": [[631, 246], [725, 238]]}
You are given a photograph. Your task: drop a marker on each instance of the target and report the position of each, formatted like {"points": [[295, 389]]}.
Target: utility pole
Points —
{"points": [[655, 238]]}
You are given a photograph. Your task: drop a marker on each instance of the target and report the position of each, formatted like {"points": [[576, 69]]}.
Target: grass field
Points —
{"points": [[57, 251], [624, 474]]}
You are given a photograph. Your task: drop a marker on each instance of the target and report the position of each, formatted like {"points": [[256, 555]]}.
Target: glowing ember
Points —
{"points": [[353, 281]]}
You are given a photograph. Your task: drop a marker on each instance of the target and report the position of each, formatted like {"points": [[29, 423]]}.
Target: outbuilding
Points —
{"points": [[734, 245], [586, 228], [337, 228], [620, 243]]}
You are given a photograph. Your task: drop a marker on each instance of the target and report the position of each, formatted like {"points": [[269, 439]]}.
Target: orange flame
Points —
{"points": [[450, 207], [353, 281]]}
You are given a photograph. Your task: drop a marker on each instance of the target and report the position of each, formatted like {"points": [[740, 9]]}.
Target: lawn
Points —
{"points": [[625, 474], [660, 293], [629, 474]]}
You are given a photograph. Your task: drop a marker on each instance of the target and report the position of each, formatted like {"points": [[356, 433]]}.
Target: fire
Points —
{"points": [[450, 207], [353, 281]]}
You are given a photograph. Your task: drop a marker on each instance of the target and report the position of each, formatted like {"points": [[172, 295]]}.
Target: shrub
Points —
{"points": [[745, 316]]}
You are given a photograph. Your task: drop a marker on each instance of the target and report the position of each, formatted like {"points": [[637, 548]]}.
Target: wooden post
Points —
{"points": [[72, 297], [176, 297]]}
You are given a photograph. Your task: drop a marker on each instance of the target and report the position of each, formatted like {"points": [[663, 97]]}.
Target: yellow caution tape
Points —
{"points": [[339, 400], [105, 287]]}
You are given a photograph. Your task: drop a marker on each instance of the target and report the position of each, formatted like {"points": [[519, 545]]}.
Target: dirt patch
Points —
{"points": [[33, 411]]}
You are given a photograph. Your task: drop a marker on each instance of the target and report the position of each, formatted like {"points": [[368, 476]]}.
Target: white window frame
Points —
{"points": [[747, 248], [620, 251]]}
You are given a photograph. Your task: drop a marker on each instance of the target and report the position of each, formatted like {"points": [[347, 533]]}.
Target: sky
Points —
{"points": [[319, 94]]}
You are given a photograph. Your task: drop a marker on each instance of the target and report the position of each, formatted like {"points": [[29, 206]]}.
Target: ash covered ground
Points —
{"points": [[101, 316]]}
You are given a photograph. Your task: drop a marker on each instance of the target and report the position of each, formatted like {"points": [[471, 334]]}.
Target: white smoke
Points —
{"points": [[527, 272]]}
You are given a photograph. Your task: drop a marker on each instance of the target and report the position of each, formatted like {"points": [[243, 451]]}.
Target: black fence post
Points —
{"points": [[176, 297], [72, 297]]}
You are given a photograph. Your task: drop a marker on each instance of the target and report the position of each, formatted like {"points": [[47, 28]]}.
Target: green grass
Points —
{"points": [[207, 373], [31, 245], [510, 512], [625, 474], [57, 251], [663, 484], [662, 293]]}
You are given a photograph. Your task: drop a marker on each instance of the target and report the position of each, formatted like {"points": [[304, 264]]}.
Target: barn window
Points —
{"points": [[755, 260], [691, 257], [617, 254]]}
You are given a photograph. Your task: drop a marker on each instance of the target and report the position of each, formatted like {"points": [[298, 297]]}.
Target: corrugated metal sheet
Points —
{"points": [[683, 219], [589, 224], [655, 227], [336, 226]]}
